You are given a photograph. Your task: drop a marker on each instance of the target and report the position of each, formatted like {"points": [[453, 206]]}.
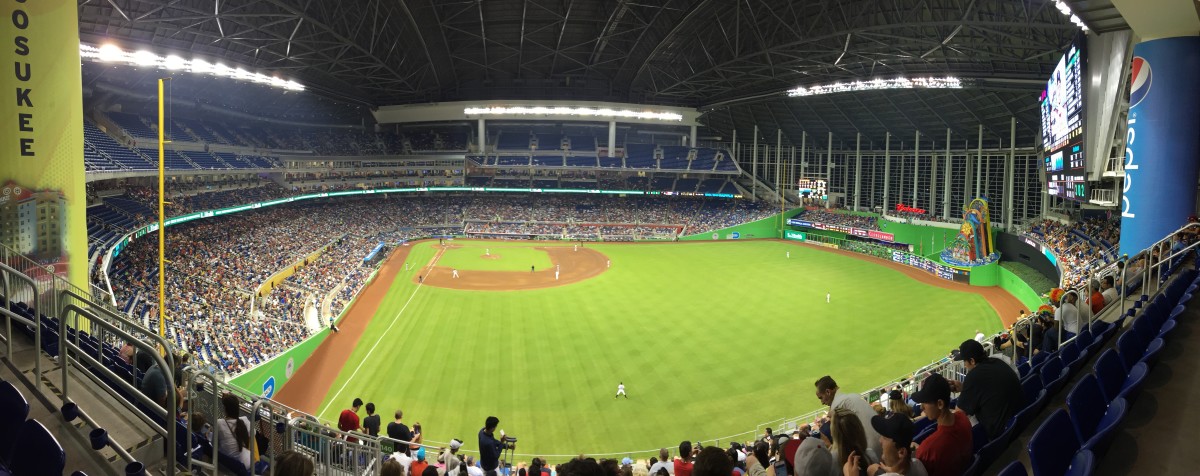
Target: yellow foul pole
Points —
{"points": [[162, 270]]}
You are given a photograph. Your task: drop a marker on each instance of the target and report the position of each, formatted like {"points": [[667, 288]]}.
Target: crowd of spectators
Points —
{"points": [[835, 217], [1081, 247]]}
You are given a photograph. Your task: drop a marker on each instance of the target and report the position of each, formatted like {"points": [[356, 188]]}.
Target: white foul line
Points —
{"points": [[366, 358]]}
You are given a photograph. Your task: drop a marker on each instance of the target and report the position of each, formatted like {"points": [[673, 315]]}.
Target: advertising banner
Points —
{"points": [[875, 235], [1162, 143], [43, 205], [794, 235]]}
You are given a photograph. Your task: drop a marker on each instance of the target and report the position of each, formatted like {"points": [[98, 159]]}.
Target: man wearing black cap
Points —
{"points": [[991, 391], [946, 452], [895, 436]]}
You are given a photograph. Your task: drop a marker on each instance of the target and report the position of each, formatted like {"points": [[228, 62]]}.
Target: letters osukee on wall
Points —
{"points": [[24, 74]]}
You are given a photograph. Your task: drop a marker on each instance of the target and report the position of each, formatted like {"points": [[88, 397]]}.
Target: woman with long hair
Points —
{"points": [[849, 436], [233, 432]]}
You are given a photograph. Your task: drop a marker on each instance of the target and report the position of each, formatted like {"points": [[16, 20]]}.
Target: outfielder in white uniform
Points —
{"points": [[826, 298], [454, 273], [621, 390]]}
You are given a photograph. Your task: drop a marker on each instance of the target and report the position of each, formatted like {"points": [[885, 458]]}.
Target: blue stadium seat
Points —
{"points": [[1031, 387], [1053, 445], [1023, 418], [1083, 464], [924, 434], [1110, 374], [1132, 385], [1107, 426], [1086, 409], [1014, 468], [979, 437], [1023, 369], [1131, 347], [1167, 327], [13, 411], [1054, 375], [37, 452], [1072, 356], [1150, 356], [1038, 359], [976, 468]]}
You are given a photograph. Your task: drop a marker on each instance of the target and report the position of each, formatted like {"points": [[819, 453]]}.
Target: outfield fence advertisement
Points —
{"points": [[872, 234], [937, 269]]}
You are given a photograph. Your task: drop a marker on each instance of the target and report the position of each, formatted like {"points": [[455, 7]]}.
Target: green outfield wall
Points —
{"points": [[1021, 290], [986, 275]]}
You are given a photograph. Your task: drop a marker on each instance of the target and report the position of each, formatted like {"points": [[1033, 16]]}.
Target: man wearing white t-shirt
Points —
{"points": [[1068, 313], [827, 392], [1109, 292]]}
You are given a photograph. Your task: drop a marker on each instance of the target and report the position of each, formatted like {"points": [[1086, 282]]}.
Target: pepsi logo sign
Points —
{"points": [[1140, 80]]}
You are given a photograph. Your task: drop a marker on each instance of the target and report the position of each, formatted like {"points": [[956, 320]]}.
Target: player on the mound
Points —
{"points": [[620, 390]]}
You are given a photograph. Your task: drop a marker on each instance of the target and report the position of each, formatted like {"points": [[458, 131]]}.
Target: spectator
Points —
{"points": [[664, 462], [849, 436], [449, 458], [898, 405], [828, 393], [947, 451], [472, 468], [418, 465], [683, 461], [991, 391], [1069, 315], [348, 420], [489, 446], [895, 435], [371, 422], [397, 430], [233, 432], [391, 467], [1096, 301], [1108, 291], [154, 386], [712, 461], [294, 463], [812, 458]]}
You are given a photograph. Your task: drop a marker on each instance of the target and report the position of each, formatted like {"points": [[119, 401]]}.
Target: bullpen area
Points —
{"points": [[709, 338]]}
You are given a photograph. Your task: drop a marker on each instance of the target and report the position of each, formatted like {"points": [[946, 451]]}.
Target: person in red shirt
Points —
{"points": [[683, 462], [1097, 299], [946, 452], [348, 420]]}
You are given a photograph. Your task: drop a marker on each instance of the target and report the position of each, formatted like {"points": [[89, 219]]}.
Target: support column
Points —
{"points": [[916, 165], [779, 163], [612, 138], [857, 169], [482, 137], [693, 137], [979, 166], [733, 146], [1008, 174], [829, 165], [754, 164], [949, 179], [887, 168], [933, 196], [803, 152]]}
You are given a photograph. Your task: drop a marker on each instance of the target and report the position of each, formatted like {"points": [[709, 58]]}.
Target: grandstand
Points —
{"points": [[473, 209]]}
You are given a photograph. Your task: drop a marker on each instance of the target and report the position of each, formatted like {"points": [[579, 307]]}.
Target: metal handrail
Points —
{"points": [[168, 372], [9, 272]]}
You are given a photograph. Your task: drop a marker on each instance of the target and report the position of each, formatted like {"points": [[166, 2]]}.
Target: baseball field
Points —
{"points": [[709, 339]]}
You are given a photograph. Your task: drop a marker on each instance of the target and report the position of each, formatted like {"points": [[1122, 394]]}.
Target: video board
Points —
{"points": [[1062, 105]]}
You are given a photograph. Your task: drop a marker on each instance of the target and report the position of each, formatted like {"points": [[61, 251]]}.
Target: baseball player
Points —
{"points": [[621, 390], [454, 273]]}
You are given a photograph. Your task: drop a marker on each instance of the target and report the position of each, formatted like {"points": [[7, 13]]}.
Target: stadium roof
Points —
{"points": [[731, 58]]}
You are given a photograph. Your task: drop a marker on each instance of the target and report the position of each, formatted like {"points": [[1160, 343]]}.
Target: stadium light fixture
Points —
{"points": [[1066, 11], [110, 53], [572, 111], [877, 85]]}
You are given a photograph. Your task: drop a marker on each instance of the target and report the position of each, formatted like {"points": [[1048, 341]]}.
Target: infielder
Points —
{"points": [[826, 298], [454, 273], [789, 254], [556, 275], [621, 390]]}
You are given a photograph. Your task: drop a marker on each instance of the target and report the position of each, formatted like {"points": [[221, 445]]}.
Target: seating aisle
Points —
{"points": [[1160, 432]]}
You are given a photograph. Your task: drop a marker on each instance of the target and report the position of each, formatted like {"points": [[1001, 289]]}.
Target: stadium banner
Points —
{"points": [[936, 269], [43, 205], [849, 230], [794, 235], [1162, 142]]}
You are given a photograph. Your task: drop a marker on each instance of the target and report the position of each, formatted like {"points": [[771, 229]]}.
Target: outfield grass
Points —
{"points": [[709, 338], [469, 255]]}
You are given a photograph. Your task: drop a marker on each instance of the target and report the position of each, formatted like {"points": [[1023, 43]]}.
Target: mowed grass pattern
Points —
{"points": [[710, 339], [468, 255]]}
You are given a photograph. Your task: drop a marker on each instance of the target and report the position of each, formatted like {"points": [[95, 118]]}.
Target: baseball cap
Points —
{"points": [[421, 454], [626, 460], [970, 349], [934, 388], [896, 427], [455, 444], [789, 450], [895, 395], [813, 459]]}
